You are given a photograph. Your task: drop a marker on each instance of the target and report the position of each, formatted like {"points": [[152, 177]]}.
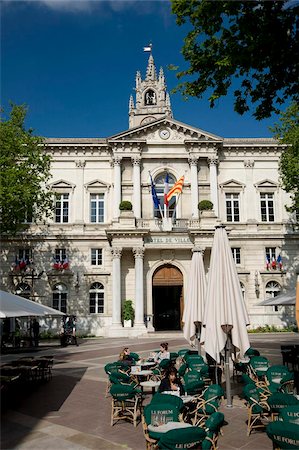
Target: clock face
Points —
{"points": [[164, 134]]}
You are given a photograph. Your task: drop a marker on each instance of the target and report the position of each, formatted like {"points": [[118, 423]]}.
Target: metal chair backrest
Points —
{"points": [[284, 435], [182, 438]]}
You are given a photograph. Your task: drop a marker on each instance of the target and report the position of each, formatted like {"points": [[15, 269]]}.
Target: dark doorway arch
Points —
{"points": [[168, 299]]}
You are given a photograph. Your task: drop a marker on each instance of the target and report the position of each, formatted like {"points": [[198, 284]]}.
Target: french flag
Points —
{"points": [[65, 264], [166, 189], [267, 263], [279, 262], [273, 264]]}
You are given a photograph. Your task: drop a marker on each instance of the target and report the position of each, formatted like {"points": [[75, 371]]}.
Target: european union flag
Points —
{"points": [[154, 194]]}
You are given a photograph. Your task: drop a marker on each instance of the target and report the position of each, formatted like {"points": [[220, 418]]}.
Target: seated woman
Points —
{"points": [[163, 353], [125, 357], [171, 382]]}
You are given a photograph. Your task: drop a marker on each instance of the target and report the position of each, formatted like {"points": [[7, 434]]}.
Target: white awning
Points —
{"points": [[289, 298]]}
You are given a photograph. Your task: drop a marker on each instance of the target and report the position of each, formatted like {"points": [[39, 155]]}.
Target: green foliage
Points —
{"points": [[253, 44], [128, 310], [24, 170], [273, 329], [205, 205], [287, 132], [125, 205]]}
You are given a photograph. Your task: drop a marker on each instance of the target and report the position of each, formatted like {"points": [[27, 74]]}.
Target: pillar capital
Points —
{"points": [[116, 252], [193, 161], [116, 160], [198, 249], [213, 160], [80, 163], [248, 163], [136, 160], [138, 252]]}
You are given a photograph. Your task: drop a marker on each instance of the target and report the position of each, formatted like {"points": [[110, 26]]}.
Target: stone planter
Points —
{"points": [[128, 323]]}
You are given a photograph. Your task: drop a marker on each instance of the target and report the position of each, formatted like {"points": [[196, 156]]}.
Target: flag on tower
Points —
{"points": [[154, 194], [148, 48], [166, 189], [176, 188]]}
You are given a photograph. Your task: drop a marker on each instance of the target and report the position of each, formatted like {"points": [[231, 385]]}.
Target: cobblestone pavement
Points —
{"points": [[72, 412]]}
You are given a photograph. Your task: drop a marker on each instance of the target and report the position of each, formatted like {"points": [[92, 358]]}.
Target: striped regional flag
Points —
{"points": [[176, 188], [166, 189]]}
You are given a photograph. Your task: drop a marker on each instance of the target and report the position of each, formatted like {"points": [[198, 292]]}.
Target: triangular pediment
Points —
{"points": [[62, 184], [177, 131], [266, 184], [232, 185], [96, 184]]}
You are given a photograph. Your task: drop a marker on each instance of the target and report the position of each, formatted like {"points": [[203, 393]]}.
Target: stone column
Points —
{"points": [[213, 161], [194, 188], [117, 186], [139, 291], [80, 207], [116, 286], [136, 187], [249, 214]]}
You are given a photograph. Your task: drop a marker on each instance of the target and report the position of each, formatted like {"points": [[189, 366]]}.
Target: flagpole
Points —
{"points": [[176, 204]]}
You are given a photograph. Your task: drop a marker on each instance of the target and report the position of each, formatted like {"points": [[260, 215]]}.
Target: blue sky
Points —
{"points": [[74, 64]]}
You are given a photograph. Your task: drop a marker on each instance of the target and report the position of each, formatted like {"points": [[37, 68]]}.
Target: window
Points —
{"points": [[232, 207], [25, 254], [96, 298], [272, 290], [159, 184], [96, 256], [97, 208], [60, 254], [62, 208], [60, 297], [267, 207], [236, 255]]}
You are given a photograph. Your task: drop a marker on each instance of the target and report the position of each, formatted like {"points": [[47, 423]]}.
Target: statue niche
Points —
{"points": [[150, 97]]}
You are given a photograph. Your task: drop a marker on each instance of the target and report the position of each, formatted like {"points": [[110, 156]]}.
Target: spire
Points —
{"points": [[131, 103], [151, 69], [161, 77], [138, 79]]}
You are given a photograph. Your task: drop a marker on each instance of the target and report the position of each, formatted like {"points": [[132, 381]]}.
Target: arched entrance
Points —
{"points": [[168, 301]]}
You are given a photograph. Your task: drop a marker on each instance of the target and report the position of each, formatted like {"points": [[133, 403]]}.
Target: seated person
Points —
{"points": [[125, 357], [163, 353], [171, 382]]}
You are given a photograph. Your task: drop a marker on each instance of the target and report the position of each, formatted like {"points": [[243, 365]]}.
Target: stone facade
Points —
{"points": [[110, 256]]}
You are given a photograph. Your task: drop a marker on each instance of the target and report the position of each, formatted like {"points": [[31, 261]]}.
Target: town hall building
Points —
{"points": [[91, 256]]}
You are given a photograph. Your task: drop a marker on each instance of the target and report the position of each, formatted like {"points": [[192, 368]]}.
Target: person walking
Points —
{"points": [[35, 331]]}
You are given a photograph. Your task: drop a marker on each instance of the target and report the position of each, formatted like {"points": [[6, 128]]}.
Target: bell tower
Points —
{"points": [[152, 99]]}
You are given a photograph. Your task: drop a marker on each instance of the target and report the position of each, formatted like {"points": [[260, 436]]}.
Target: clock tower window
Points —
{"points": [[150, 97]]}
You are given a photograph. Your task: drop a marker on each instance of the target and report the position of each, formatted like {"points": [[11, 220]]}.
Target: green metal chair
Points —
{"points": [[258, 408], [159, 398], [279, 378], [182, 370], [193, 382], [173, 357], [284, 435], [289, 414], [126, 403], [279, 400], [252, 352], [212, 428], [208, 403], [156, 414], [182, 438], [135, 356], [258, 366], [183, 352]]}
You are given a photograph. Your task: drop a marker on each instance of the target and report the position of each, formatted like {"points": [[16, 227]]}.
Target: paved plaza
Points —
{"points": [[72, 412]]}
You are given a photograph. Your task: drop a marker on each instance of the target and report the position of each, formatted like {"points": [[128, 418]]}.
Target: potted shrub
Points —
{"points": [[205, 205], [125, 205], [128, 313]]}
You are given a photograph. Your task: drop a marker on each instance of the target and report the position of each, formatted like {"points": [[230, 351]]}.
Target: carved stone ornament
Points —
{"points": [[116, 161], [167, 255], [80, 163], [138, 252], [249, 163], [136, 160], [116, 252], [193, 161], [213, 160]]}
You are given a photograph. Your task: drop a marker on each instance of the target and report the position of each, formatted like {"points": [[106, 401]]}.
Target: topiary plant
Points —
{"points": [[205, 205], [125, 205], [128, 310]]}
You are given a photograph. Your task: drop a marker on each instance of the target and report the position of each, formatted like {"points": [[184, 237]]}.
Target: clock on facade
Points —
{"points": [[164, 134]]}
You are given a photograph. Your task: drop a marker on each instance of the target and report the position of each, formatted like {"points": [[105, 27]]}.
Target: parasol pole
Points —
{"points": [[227, 351], [198, 334]]}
